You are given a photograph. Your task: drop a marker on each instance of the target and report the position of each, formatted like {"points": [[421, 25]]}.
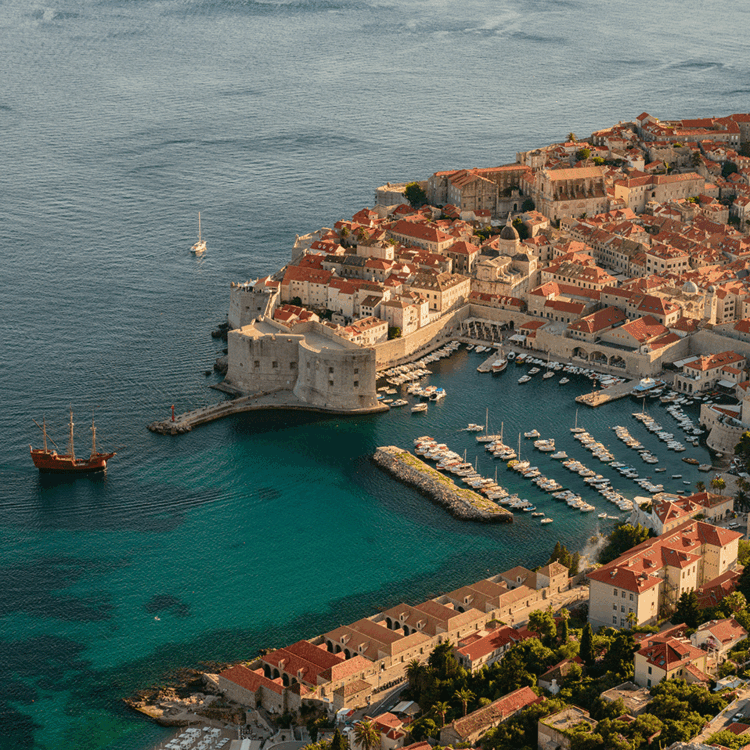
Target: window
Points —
{"points": [[330, 382], [356, 370], [275, 365], [330, 370], [614, 592], [292, 365], [624, 594], [649, 670], [622, 608], [356, 383], [614, 606], [631, 597], [614, 619], [649, 683], [256, 364]]}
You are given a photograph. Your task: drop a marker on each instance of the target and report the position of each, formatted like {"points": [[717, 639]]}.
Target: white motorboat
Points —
{"points": [[524, 379], [418, 408], [532, 434]]}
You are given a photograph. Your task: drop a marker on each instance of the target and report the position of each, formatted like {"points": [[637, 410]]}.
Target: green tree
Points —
{"points": [[415, 194], [728, 739], [619, 657], [575, 564], [583, 153], [587, 645], [528, 205], [521, 228], [338, 741], [465, 696], [623, 537], [743, 583], [687, 610], [394, 332], [441, 708], [718, 484], [423, 728], [700, 486], [696, 158], [542, 622], [572, 137], [742, 496], [743, 552], [598, 161], [366, 734], [564, 625]]}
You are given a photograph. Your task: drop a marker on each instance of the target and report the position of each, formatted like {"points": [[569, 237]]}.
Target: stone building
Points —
{"points": [[570, 192], [321, 368], [554, 731], [653, 575]]}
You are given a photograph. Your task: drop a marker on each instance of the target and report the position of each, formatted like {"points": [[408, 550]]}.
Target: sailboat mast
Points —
{"points": [[44, 432], [93, 437], [199, 227], [71, 448]]}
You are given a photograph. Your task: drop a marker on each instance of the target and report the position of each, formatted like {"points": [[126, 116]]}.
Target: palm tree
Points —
{"points": [[464, 695], [441, 709], [632, 620], [414, 673], [366, 735], [572, 137], [700, 486]]}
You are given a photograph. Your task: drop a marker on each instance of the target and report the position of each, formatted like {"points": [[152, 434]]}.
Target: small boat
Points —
{"points": [[546, 520], [418, 408], [51, 461], [499, 365], [531, 434], [548, 374], [200, 246], [692, 461], [524, 379], [563, 381]]}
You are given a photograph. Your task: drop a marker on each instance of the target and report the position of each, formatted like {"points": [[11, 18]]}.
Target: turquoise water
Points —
{"points": [[120, 121]]}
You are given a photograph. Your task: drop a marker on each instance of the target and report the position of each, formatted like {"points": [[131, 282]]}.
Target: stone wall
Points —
{"points": [[333, 378], [444, 493], [265, 363], [245, 304]]}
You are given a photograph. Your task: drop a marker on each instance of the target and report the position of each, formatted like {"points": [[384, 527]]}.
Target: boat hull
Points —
{"points": [[49, 462]]}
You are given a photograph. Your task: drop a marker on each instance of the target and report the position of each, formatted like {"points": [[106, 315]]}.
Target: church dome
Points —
{"points": [[508, 232], [690, 287]]}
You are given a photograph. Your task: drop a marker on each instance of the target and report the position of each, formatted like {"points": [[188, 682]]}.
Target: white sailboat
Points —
{"points": [[200, 246]]}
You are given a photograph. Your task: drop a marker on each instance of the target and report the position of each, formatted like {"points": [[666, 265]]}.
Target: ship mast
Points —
{"points": [[71, 449], [93, 438], [44, 432]]}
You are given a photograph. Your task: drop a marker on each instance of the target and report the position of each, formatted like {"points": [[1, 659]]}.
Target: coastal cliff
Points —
{"points": [[460, 503]]}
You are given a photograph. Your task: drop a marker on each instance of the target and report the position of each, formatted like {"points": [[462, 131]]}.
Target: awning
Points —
{"points": [[517, 338], [726, 384]]}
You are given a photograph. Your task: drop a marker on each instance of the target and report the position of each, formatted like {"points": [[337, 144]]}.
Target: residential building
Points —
{"points": [[468, 729], [667, 657], [554, 731], [652, 576]]}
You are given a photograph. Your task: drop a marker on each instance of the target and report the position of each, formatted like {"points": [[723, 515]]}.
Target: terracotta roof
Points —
{"points": [[496, 712]]}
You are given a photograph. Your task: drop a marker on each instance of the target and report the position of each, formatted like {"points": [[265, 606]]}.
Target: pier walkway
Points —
{"points": [[605, 395], [280, 399]]}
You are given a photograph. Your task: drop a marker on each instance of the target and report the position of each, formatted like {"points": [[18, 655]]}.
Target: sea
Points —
{"points": [[120, 121]]}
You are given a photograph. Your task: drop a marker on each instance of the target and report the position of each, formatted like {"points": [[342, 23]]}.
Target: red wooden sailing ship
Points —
{"points": [[50, 460]]}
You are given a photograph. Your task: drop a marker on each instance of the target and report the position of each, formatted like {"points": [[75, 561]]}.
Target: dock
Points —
{"points": [[606, 395], [486, 366], [280, 399]]}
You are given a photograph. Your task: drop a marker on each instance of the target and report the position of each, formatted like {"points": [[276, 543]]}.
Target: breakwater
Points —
{"points": [[459, 502], [267, 400]]}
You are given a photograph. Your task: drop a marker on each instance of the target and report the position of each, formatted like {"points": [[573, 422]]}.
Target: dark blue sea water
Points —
{"points": [[120, 120]]}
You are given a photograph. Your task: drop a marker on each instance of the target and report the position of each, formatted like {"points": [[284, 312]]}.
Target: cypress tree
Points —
{"points": [[587, 645]]}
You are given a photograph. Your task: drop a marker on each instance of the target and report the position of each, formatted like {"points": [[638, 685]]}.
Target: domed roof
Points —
{"points": [[508, 232], [690, 287]]}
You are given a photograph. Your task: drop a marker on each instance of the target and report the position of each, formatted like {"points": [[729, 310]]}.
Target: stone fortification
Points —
{"points": [[321, 369], [460, 503]]}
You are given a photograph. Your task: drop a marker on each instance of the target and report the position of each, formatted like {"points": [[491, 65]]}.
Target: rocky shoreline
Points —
{"points": [[462, 504]]}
